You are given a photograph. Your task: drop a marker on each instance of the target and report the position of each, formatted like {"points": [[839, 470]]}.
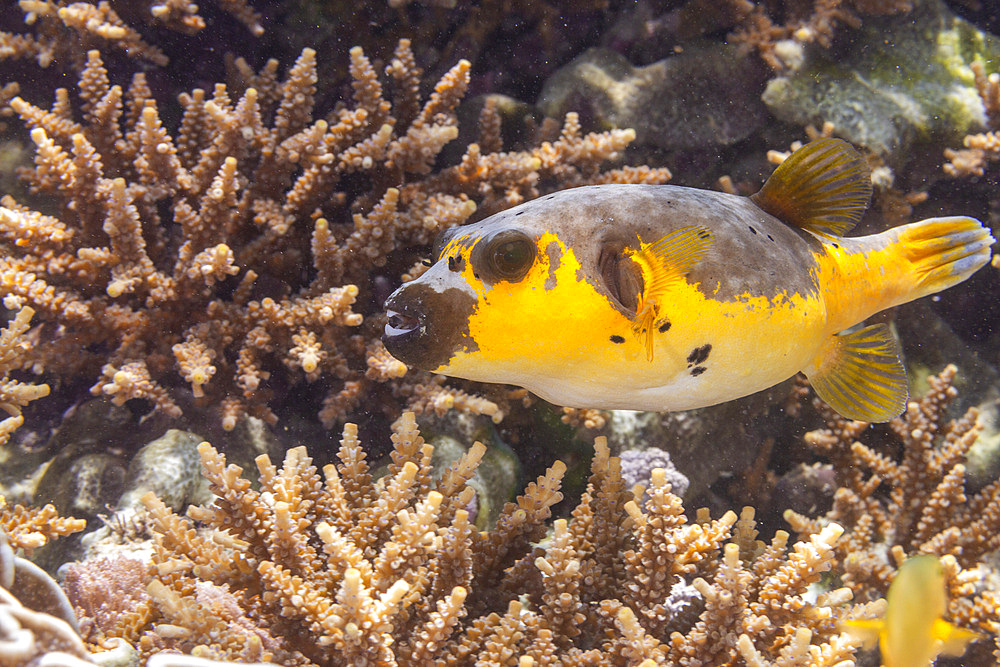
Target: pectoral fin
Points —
{"points": [[953, 639], [860, 375], [662, 264]]}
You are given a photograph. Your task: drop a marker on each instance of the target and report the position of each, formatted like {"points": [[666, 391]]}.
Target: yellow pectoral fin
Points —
{"points": [[643, 328], [953, 639], [860, 375], [865, 630], [662, 264]]}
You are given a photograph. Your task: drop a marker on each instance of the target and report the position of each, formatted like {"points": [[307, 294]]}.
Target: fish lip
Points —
{"points": [[402, 326]]}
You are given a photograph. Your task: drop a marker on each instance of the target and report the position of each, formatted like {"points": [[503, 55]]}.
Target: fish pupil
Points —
{"points": [[512, 258]]}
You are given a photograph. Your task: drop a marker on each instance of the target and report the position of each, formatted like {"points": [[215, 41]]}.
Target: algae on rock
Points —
{"points": [[902, 79], [699, 98]]}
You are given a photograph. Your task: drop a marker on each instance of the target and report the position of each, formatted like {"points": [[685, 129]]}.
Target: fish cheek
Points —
{"points": [[554, 253]]}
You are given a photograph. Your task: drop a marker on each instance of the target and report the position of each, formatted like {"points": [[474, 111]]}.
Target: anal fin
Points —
{"points": [[860, 375], [865, 630]]}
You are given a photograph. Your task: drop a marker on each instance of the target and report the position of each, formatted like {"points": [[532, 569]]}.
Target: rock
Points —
{"points": [[702, 97], [498, 477], [930, 344], [170, 467], [983, 464], [903, 78], [89, 485], [807, 489]]}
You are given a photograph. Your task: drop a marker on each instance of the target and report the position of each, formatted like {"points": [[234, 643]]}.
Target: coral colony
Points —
{"points": [[206, 254]]}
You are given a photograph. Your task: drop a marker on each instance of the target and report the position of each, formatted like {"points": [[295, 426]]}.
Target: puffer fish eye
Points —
{"points": [[509, 254]]}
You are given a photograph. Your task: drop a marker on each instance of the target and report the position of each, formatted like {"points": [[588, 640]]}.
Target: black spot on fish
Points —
{"points": [[699, 354], [771, 238], [475, 275], [617, 339], [426, 262], [697, 370], [455, 263], [663, 327], [519, 213], [836, 246], [752, 230]]}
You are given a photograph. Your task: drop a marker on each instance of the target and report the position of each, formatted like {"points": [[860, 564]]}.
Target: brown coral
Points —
{"points": [[895, 505], [63, 31], [228, 254], [15, 394], [29, 528], [337, 568]]}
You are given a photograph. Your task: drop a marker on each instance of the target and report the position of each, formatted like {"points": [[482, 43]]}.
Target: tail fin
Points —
{"points": [[864, 275], [944, 251]]}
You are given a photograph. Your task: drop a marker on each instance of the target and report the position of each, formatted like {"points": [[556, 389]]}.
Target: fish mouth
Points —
{"points": [[401, 326]]}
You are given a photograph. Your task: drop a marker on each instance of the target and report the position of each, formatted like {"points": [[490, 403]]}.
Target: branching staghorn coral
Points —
{"points": [[981, 148], [229, 254], [333, 567], [915, 502], [15, 394], [62, 31], [29, 528]]}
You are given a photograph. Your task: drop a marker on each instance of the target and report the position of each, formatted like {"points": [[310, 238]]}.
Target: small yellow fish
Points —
{"points": [[913, 632], [660, 297]]}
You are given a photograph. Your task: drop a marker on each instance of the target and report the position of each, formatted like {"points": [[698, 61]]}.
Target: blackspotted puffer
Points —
{"points": [[661, 297]]}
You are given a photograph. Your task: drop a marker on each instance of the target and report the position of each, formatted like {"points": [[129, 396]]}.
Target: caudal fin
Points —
{"points": [[944, 251]]}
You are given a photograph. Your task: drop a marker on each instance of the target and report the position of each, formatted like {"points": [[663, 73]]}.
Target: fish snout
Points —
{"points": [[429, 322]]}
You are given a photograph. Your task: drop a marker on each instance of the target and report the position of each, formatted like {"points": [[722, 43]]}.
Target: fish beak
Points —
{"points": [[429, 319]]}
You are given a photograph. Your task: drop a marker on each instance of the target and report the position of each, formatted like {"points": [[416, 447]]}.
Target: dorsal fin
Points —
{"points": [[661, 264], [824, 187]]}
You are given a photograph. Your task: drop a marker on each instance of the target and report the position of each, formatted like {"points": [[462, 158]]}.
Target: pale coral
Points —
{"points": [[15, 394]]}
